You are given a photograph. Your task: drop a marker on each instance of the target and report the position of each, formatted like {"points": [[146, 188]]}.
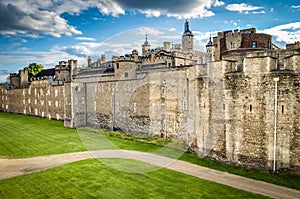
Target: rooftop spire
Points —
{"points": [[146, 42], [210, 42], [187, 28]]}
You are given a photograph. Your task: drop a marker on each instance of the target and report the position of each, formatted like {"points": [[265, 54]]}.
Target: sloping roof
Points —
{"points": [[46, 73]]}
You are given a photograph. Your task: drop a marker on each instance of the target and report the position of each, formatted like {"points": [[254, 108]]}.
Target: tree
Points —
{"points": [[34, 68]]}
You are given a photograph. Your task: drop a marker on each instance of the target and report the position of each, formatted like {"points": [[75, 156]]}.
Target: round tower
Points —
{"points": [[187, 38], [145, 47]]}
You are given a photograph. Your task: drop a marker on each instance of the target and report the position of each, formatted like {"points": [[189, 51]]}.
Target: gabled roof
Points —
{"points": [[46, 73]]}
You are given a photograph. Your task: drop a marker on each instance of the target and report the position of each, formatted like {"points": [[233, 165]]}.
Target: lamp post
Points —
{"points": [[113, 112], [276, 79]]}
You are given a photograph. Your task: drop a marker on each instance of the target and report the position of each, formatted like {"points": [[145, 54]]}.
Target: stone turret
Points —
{"points": [[187, 38], [210, 48], [145, 47], [89, 61]]}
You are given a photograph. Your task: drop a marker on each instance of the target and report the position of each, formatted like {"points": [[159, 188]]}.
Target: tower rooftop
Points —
{"points": [[187, 31]]}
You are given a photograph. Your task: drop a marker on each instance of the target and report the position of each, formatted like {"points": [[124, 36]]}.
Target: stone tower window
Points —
{"points": [[118, 66], [250, 108], [126, 74], [254, 44], [282, 108], [232, 45]]}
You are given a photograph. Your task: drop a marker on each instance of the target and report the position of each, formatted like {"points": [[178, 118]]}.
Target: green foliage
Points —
{"points": [[93, 179], [34, 68]]}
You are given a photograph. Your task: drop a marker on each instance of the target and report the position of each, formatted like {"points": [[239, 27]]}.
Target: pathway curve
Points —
{"points": [[15, 167]]}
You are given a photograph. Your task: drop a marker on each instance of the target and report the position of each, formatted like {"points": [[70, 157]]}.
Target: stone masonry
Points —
{"points": [[221, 103]]}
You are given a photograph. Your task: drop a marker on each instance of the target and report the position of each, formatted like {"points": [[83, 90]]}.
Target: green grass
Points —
{"points": [[129, 142], [23, 136], [93, 179]]}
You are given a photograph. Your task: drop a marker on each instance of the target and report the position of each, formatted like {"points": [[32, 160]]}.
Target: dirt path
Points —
{"points": [[15, 167]]}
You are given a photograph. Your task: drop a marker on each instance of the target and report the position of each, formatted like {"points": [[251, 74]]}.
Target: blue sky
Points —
{"points": [[48, 31]]}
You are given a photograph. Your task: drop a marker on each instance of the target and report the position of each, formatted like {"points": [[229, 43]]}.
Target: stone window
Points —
{"points": [[126, 74], [250, 108], [134, 107], [232, 45], [254, 44], [282, 108], [118, 65]]}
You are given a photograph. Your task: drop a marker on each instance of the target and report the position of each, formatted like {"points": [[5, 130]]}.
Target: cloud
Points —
{"points": [[33, 18], [285, 33], [14, 20], [4, 72], [85, 39], [259, 12], [178, 8], [244, 8], [295, 7], [149, 31]]}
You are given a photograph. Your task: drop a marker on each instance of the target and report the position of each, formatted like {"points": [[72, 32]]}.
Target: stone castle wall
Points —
{"points": [[224, 109], [40, 99]]}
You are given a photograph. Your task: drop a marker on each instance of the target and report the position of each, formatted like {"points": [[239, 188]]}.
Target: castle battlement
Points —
{"points": [[223, 104]]}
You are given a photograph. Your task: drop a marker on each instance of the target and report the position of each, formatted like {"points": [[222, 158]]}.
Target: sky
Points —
{"points": [[49, 31]]}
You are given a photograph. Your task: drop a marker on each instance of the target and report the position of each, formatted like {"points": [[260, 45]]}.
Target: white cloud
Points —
{"points": [[218, 3], [34, 17], [202, 38], [178, 8], [286, 33], [296, 7], [243, 8], [15, 19], [148, 31], [85, 39], [259, 12]]}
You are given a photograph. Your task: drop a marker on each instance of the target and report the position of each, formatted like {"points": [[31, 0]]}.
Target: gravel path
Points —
{"points": [[15, 167]]}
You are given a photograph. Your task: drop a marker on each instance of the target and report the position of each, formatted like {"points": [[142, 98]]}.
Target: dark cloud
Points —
{"points": [[174, 5], [4, 72], [36, 17], [176, 8], [14, 20], [10, 17]]}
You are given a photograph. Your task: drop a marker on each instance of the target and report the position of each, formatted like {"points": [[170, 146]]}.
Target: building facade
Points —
{"points": [[239, 102]]}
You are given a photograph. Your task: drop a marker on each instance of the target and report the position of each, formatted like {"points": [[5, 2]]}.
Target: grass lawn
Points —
{"points": [[23, 136], [125, 141], [93, 179]]}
